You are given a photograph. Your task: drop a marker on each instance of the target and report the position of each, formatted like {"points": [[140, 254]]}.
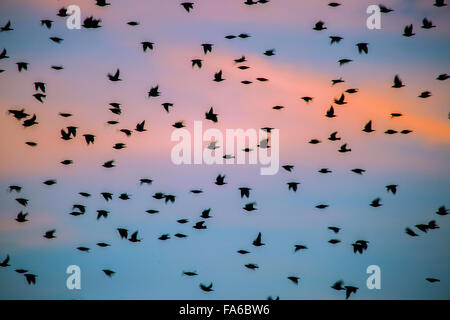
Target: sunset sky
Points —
{"points": [[303, 65]]}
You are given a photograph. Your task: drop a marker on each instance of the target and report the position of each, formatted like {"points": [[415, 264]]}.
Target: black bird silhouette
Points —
{"points": [[257, 242], [206, 288], [422, 227], [220, 180], [205, 214], [89, 138], [178, 125], [102, 213], [322, 206], [14, 188], [50, 234], [240, 60], [49, 182], [3, 54], [207, 47], [270, 52], [4, 263], [199, 225], [22, 66], [344, 148], [330, 113], [293, 186], [39, 86], [344, 61], [133, 23], [167, 105], [147, 45], [140, 127], [251, 266], [432, 280], [335, 39], [109, 164], [180, 235], [108, 272], [325, 170], [65, 135], [6, 27], [442, 211], [408, 31], [102, 3], [439, 3], [288, 167], [319, 26], [384, 9], [126, 131], [392, 188], [154, 92], [123, 233], [333, 137], [47, 23], [340, 101], [190, 273], [442, 77], [21, 271], [336, 81], [210, 115], [30, 122], [242, 251], [338, 285], [362, 47], [334, 4], [368, 127], [107, 195], [307, 99], [18, 114], [425, 94], [31, 278], [134, 237], [245, 192], [376, 203], [410, 232], [56, 39], [298, 247], [91, 23], [164, 237], [197, 62], [334, 229], [294, 279], [349, 290], [218, 76], [114, 77], [39, 97], [427, 24], [85, 194], [62, 12], [187, 6], [360, 246], [250, 206]]}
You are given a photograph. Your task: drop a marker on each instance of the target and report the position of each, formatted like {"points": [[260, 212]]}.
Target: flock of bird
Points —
{"points": [[70, 132]]}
